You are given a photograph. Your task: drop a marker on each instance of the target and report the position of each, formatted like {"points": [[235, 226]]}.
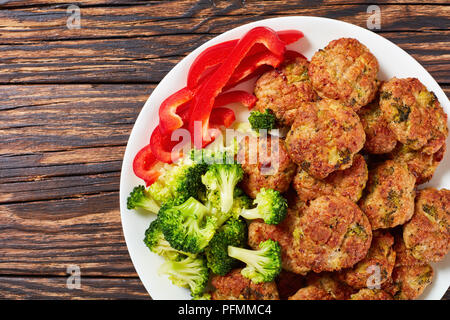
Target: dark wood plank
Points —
{"points": [[45, 237], [36, 288], [185, 17], [150, 59]]}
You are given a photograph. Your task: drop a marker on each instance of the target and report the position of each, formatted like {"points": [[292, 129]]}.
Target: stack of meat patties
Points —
{"points": [[358, 225]]}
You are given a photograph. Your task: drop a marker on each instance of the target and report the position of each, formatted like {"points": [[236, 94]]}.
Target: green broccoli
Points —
{"points": [[262, 120], [232, 233], [220, 181], [216, 156], [240, 201], [178, 183], [270, 206], [263, 265], [204, 296], [155, 241], [188, 226], [189, 272], [140, 198]]}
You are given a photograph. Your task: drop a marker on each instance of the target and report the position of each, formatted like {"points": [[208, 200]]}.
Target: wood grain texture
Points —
{"points": [[147, 60], [185, 17], [56, 288], [69, 99]]}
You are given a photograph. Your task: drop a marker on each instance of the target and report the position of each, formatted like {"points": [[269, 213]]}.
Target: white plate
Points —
{"points": [[318, 32]]}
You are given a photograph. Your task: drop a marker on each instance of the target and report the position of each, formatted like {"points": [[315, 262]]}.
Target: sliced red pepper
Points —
{"points": [[209, 58], [238, 96], [222, 117], [162, 146], [290, 36], [250, 64], [203, 102], [214, 55], [169, 120], [144, 165]]}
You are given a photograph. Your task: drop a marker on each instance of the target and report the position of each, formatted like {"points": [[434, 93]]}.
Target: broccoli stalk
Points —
{"points": [[262, 120], [263, 265], [270, 206], [189, 226], [232, 233], [155, 241], [220, 181], [188, 272], [140, 198]]}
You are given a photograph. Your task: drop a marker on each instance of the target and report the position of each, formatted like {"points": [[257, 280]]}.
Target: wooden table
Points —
{"points": [[68, 101]]}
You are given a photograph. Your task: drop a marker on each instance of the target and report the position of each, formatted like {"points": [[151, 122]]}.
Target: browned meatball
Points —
{"points": [[389, 201], [409, 282], [324, 137], [371, 294], [422, 165], [345, 70], [379, 138], [403, 256], [283, 90], [381, 256], [329, 234], [427, 235], [322, 287], [348, 183], [414, 114], [266, 164], [234, 286], [332, 234]]}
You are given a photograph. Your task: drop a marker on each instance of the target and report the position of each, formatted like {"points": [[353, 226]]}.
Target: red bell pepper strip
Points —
{"points": [[169, 120], [250, 64], [208, 59], [144, 165], [214, 55], [222, 117], [162, 146], [237, 96], [290, 36], [203, 102]]}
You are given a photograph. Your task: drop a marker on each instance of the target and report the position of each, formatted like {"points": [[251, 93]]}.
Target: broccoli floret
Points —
{"points": [[140, 198], [189, 226], [188, 272], [232, 233], [224, 155], [179, 183], [155, 241], [204, 296], [262, 120], [270, 206], [263, 265], [220, 181], [241, 201]]}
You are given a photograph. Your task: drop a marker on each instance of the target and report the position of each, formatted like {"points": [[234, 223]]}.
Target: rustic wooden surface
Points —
{"points": [[68, 101]]}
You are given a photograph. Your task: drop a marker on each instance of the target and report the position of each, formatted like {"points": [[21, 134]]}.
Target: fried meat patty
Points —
{"points": [[283, 90], [345, 70], [324, 137]]}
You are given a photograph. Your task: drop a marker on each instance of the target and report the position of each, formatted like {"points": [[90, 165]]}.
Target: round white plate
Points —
{"points": [[318, 33]]}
